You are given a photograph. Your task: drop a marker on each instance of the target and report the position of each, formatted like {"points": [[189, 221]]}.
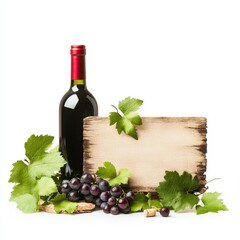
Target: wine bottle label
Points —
{"points": [[78, 82]]}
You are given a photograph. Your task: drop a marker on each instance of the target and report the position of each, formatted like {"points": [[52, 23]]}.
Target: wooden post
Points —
{"points": [[165, 143]]}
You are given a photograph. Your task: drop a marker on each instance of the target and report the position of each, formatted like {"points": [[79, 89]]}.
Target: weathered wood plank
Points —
{"points": [[165, 143]]}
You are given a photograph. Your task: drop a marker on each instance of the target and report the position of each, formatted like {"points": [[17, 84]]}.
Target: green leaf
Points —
{"points": [[46, 165], [211, 203], [34, 180], [126, 125], [139, 203], [108, 171], [27, 203], [45, 186], [121, 178], [130, 118], [25, 196], [143, 201], [19, 172], [177, 191], [134, 118], [23, 188], [184, 201], [114, 117], [61, 203], [37, 145], [128, 105], [155, 204]]}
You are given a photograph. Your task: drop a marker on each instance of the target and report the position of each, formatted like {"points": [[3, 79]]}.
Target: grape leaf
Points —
{"points": [[34, 179], [25, 187], [61, 203], [27, 203], [143, 201], [114, 117], [37, 145], [108, 171], [211, 203], [124, 124], [19, 172], [121, 178], [127, 123], [139, 203], [155, 204], [134, 118], [177, 191], [25, 196], [46, 165], [45, 186], [128, 105]]}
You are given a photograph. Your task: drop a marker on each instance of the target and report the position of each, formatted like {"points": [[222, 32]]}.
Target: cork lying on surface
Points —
{"points": [[151, 212]]}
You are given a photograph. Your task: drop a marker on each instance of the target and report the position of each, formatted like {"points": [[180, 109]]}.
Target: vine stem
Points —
{"points": [[114, 107], [213, 180], [207, 186]]}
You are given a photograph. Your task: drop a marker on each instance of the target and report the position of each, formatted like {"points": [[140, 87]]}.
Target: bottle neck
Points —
{"points": [[78, 84], [78, 71]]}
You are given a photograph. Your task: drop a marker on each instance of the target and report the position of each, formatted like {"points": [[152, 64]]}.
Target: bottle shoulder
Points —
{"points": [[73, 98], [79, 93]]}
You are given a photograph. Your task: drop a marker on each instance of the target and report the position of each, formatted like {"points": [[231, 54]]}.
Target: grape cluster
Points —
{"points": [[115, 201], [98, 191]]}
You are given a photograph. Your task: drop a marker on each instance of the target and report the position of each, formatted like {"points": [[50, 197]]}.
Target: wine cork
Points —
{"points": [[151, 212]]}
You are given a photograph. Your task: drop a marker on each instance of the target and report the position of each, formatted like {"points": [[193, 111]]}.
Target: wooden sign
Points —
{"points": [[165, 143]]}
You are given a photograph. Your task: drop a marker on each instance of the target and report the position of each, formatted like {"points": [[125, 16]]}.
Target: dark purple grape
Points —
{"points": [[98, 180], [75, 183], [116, 191], [106, 208], [112, 201], [123, 203], [93, 178], [104, 196], [94, 190], [114, 210], [65, 188], [103, 204], [86, 178], [65, 181], [130, 195], [85, 189], [98, 202], [164, 211], [89, 198], [126, 210], [73, 196], [103, 185]]}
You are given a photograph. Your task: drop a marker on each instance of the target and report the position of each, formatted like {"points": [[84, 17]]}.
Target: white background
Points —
{"points": [[181, 57]]}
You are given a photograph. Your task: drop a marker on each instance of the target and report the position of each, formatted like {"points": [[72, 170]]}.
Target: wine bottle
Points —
{"points": [[75, 105]]}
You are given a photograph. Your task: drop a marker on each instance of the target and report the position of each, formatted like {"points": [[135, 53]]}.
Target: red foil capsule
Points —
{"points": [[78, 69], [78, 50]]}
